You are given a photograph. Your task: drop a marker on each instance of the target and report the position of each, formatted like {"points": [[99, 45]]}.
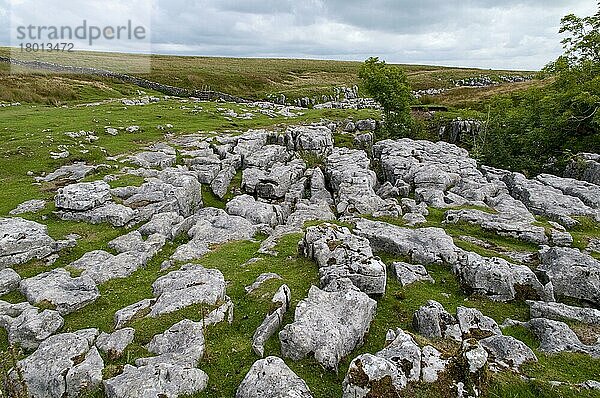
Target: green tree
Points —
{"points": [[388, 85], [541, 128]]}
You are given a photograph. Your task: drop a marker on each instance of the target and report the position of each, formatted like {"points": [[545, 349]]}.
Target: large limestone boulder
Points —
{"points": [[423, 245], [572, 273], [64, 365], [341, 254], [160, 380], [23, 240], [271, 377], [255, 211], [316, 139], [57, 287], [559, 311], [373, 376], [83, 196], [191, 284], [499, 279], [182, 344], [329, 325]]}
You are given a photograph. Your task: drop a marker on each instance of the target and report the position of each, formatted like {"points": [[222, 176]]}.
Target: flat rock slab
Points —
{"points": [[182, 344], [58, 288], [114, 344], [422, 245], [191, 284], [559, 311], [23, 240], [83, 196], [33, 326], [110, 213], [272, 378], [63, 365], [31, 206], [329, 325], [160, 380]]}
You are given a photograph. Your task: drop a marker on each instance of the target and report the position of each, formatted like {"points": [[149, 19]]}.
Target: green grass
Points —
{"points": [[246, 77]]}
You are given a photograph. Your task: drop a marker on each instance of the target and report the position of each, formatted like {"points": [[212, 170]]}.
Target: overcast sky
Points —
{"points": [[509, 34]]}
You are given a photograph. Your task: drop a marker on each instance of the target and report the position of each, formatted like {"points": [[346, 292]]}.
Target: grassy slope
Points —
{"points": [[255, 78]]}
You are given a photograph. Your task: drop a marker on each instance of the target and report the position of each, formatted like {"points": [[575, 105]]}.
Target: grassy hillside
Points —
{"points": [[246, 77]]}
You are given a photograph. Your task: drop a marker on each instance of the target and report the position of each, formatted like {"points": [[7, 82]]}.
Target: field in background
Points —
{"points": [[245, 77]]}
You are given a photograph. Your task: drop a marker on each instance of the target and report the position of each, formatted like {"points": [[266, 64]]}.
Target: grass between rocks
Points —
{"points": [[26, 147]]}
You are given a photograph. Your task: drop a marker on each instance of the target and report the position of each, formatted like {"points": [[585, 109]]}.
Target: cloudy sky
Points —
{"points": [[511, 34]]}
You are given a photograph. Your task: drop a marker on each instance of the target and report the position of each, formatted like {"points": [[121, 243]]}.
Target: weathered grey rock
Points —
{"points": [[586, 167], [434, 322], [250, 142], [111, 213], [404, 353], [161, 223], [473, 324], [271, 377], [255, 211], [318, 187], [588, 193], [424, 245], [408, 274], [33, 326], [64, 365], [328, 324], [102, 266], [183, 190], [134, 243], [556, 337], [136, 310], [341, 254], [182, 344], [220, 314], [547, 201], [159, 380], [273, 320], [114, 344], [83, 196], [475, 355], [86, 375], [220, 184], [31, 206], [572, 273], [370, 375], [316, 139], [559, 311], [212, 226], [275, 183], [262, 278], [499, 279], [561, 238], [191, 284], [71, 172], [151, 160], [507, 352], [353, 183], [432, 364], [366, 125], [267, 157], [503, 223], [58, 288], [22, 240], [9, 281]]}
